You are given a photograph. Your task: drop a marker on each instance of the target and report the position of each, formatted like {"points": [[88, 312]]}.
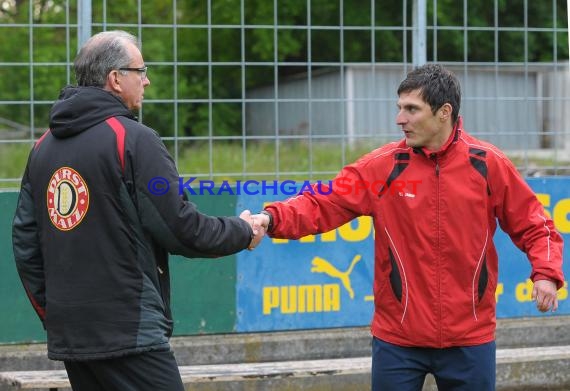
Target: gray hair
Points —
{"points": [[102, 53]]}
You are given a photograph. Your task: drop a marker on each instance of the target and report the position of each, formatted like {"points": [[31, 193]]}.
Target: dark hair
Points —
{"points": [[102, 53], [436, 85]]}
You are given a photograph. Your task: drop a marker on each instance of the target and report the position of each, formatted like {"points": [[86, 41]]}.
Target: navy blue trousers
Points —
{"points": [[149, 371], [397, 368]]}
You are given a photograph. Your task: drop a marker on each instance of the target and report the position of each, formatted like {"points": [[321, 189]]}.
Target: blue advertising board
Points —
{"points": [[325, 280]]}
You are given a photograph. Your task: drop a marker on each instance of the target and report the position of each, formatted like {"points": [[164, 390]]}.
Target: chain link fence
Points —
{"points": [[296, 89]]}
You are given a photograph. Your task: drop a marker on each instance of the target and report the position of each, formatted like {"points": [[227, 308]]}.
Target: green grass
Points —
{"points": [[226, 160], [261, 160], [12, 164], [229, 161]]}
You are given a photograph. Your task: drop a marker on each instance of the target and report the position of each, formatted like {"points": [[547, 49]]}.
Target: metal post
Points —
{"points": [[84, 22], [419, 47], [566, 89]]}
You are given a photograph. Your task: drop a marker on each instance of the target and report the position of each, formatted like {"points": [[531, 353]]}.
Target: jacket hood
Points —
{"points": [[80, 108]]}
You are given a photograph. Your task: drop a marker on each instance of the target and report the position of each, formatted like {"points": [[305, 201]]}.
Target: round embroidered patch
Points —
{"points": [[67, 198]]}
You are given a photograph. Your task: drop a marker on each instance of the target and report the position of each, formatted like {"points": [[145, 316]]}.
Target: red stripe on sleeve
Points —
{"points": [[41, 138], [119, 130]]}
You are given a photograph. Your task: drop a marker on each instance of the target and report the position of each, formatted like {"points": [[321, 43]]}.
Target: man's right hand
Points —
{"points": [[257, 227], [262, 219]]}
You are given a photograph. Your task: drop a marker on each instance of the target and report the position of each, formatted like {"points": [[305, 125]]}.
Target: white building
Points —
{"points": [[515, 108]]}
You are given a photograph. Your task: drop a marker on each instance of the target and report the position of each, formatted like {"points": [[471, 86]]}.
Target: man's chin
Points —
{"points": [[411, 143]]}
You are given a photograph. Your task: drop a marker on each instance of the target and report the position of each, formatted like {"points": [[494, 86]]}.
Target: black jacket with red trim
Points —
{"points": [[435, 215], [90, 240]]}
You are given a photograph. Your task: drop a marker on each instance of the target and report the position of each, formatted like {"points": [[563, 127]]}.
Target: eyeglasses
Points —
{"points": [[142, 71]]}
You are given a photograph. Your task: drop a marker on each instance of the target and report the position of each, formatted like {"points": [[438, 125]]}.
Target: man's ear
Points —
{"points": [[445, 112], [113, 82]]}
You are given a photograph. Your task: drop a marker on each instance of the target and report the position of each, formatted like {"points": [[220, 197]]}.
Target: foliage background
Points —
{"points": [[221, 48]]}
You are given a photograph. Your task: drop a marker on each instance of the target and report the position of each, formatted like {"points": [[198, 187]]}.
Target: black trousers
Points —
{"points": [[152, 371]]}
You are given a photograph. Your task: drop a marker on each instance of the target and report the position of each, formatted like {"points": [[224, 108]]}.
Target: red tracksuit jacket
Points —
{"points": [[434, 215]]}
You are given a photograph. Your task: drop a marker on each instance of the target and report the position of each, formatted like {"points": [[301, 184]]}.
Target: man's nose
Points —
{"points": [[400, 118]]}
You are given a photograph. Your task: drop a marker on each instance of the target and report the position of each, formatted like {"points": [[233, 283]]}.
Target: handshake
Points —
{"points": [[259, 224]]}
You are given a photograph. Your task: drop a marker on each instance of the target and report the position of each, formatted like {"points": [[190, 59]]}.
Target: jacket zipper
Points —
{"points": [[438, 250]]}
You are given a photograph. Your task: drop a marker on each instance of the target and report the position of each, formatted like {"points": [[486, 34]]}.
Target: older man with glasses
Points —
{"points": [[91, 242]]}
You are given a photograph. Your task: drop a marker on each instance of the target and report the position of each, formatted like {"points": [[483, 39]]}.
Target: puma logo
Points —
{"points": [[320, 265]]}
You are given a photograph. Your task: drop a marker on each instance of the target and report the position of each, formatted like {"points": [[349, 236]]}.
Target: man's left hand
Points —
{"points": [[544, 293]]}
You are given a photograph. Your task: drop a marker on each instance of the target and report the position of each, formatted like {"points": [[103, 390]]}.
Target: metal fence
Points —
{"points": [[233, 97]]}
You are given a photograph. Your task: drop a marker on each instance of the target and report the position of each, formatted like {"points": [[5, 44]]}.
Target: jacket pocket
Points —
{"points": [[480, 279], [483, 280], [395, 278]]}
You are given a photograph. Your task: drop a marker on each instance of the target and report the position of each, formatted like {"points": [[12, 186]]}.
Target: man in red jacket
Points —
{"points": [[435, 197]]}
